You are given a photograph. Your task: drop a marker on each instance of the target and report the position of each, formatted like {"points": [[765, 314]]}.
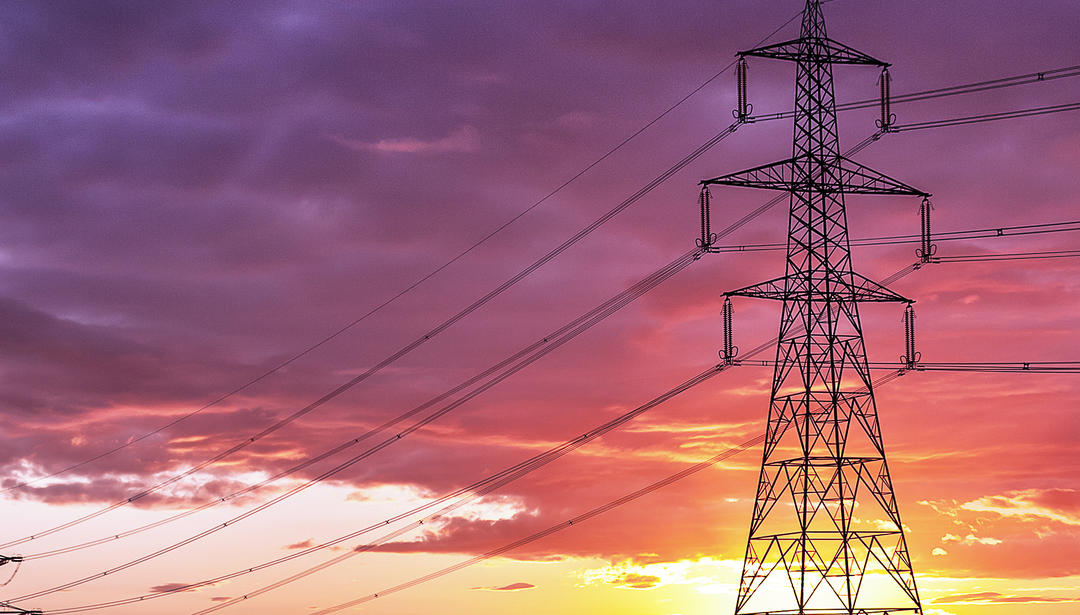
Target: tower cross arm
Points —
{"points": [[852, 287], [816, 49], [836, 175], [859, 179], [775, 175]]}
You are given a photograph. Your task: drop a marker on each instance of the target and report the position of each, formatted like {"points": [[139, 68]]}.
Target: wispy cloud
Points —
{"points": [[1060, 505], [971, 539], [464, 139]]}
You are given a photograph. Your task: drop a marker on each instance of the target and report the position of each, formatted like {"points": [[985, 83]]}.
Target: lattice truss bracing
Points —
{"points": [[826, 535]]}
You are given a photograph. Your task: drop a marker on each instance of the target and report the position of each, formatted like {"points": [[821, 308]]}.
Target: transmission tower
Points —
{"points": [[826, 536]]}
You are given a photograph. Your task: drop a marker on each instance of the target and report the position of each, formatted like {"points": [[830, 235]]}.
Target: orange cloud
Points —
{"points": [[513, 587], [996, 598], [1058, 505]]}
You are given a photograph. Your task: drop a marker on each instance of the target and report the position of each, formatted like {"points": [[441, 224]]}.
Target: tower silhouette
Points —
{"points": [[826, 535]]}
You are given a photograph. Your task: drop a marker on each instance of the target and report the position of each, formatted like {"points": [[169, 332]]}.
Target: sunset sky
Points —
{"points": [[192, 193]]}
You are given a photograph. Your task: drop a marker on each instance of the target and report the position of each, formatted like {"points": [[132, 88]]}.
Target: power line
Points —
{"points": [[523, 362], [1028, 256], [278, 367], [734, 226], [731, 452], [476, 490], [979, 86], [900, 128], [496, 552], [967, 88], [1014, 367], [1006, 256], [495, 374], [589, 320], [960, 235], [446, 324], [463, 496], [554, 529], [987, 117], [476, 305], [340, 389], [548, 344], [343, 388], [599, 510], [692, 255]]}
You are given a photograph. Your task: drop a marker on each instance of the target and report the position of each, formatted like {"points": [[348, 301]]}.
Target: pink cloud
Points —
{"points": [[171, 588], [508, 588], [996, 598]]}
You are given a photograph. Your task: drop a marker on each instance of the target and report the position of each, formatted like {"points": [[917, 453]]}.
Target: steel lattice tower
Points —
{"points": [[826, 535]]}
